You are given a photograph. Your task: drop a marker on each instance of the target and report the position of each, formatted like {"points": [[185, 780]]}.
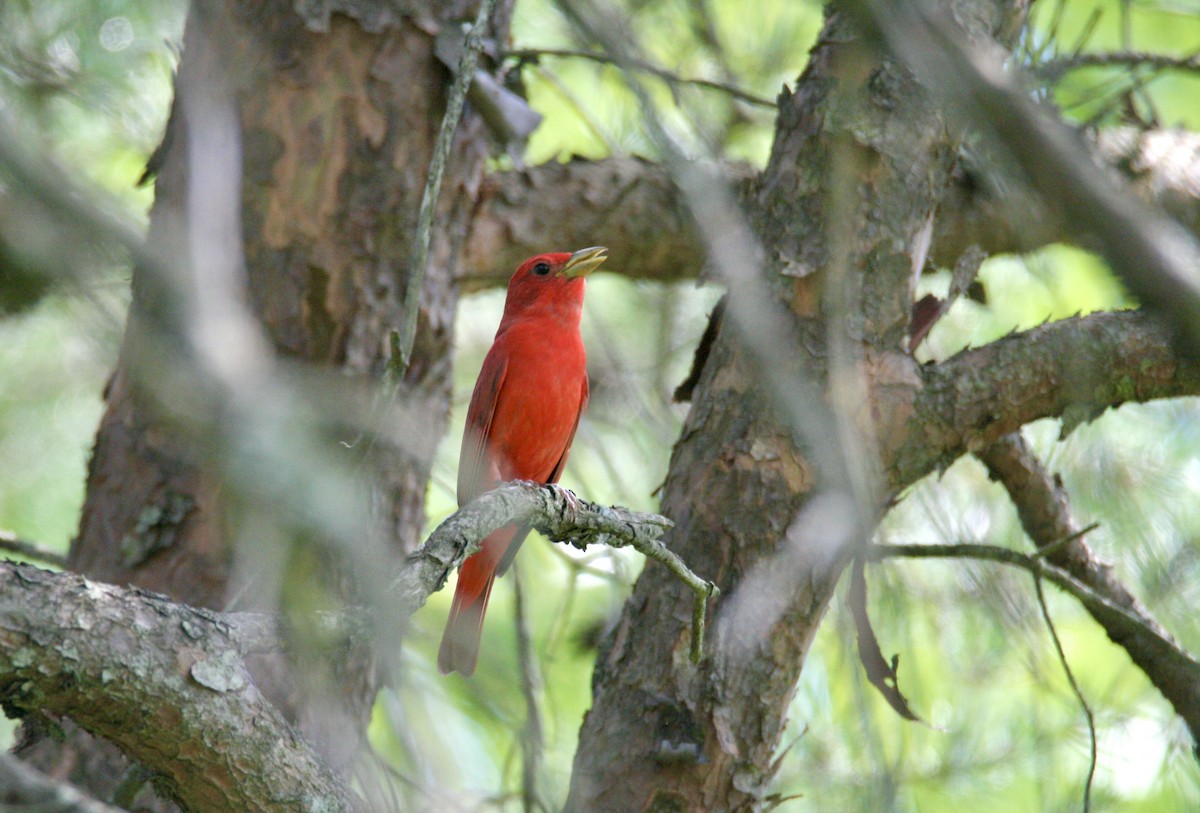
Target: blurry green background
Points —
{"points": [[89, 81]]}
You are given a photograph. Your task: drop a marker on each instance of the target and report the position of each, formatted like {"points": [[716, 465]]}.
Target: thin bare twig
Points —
{"points": [[1055, 68], [10, 543], [403, 344], [25, 788], [1042, 505], [1087, 710], [532, 740], [1087, 595], [534, 54]]}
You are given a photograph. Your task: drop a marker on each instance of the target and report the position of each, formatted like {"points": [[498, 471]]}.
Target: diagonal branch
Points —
{"points": [[1041, 503], [1156, 258], [456, 99], [160, 680], [1168, 659], [1161, 167], [1074, 368], [26, 788]]}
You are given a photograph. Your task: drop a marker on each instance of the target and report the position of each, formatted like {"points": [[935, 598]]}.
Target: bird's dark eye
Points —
{"points": [[541, 269]]}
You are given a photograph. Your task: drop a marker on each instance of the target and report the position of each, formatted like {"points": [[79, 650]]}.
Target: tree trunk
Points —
{"points": [[860, 159], [338, 117]]}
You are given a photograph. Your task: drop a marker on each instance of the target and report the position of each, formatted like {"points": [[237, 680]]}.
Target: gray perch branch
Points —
{"points": [[562, 517]]}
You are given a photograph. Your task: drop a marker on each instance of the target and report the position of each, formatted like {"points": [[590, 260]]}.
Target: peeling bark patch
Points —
{"points": [[221, 674], [680, 738], [316, 120]]}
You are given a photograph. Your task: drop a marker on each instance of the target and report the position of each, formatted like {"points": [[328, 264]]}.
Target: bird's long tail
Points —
{"points": [[460, 641]]}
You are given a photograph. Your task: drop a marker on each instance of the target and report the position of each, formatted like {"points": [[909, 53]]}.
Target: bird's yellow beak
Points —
{"points": [[584, 262]]}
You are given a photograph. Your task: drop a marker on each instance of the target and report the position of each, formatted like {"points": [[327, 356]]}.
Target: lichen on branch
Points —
{"points": [[559, 515]]}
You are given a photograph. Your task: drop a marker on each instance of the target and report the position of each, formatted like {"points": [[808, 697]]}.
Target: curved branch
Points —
{"points": [[673, 79], [1173, 656], [1041, 504], [162, 681], [1074, 369]]}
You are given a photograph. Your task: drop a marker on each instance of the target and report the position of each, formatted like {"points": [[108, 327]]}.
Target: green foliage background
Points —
{"points": [[89, 81]]}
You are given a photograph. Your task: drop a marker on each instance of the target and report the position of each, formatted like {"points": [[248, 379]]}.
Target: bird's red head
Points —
{"points": [[552, 283]]}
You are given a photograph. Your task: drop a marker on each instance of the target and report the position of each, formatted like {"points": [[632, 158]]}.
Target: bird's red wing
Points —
{"points": [[475, 470], [562, 460]]}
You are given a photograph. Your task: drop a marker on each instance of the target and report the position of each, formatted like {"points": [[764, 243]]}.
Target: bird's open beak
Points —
{"points": [[584, 261]]}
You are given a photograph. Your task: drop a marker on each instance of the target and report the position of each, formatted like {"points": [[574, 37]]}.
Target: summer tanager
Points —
{"points": [[527, 401]]}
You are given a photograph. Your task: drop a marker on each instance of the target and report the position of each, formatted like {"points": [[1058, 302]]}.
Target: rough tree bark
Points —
{"points": [[339, 105], [338, 113], [664, 734]]}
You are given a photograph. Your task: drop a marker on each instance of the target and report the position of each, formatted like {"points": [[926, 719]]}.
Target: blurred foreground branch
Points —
{"points": [[1153, 255], [26, 788]]}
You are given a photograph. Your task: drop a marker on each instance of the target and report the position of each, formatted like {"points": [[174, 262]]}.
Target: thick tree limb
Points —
{"points": [[1074, 368], [662, 735], [631, 206], [1041, 503], [627, 204], [161, 680]]}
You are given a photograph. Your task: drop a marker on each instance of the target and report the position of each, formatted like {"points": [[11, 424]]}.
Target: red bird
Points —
{"points": [[527, 401]]}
